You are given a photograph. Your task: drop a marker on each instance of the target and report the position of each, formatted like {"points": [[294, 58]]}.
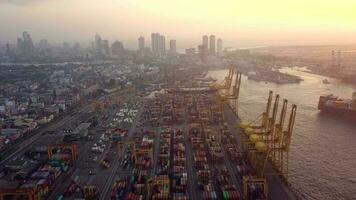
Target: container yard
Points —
{"points": [[185, 143]]}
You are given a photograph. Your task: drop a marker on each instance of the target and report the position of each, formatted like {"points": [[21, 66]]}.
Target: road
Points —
{"points": [[22, 146], [104, 195]]}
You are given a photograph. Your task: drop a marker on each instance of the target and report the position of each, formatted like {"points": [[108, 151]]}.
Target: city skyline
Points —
{"points": [[284, 23]]}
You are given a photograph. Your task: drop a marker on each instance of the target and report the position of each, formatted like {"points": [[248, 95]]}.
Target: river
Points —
{"points": [[323, 148]]}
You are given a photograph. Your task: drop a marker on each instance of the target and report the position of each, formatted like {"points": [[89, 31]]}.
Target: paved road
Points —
{"points": [[23, 146], [104, 195]]}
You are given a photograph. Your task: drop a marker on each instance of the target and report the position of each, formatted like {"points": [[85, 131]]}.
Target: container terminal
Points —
{"points": [[184, 143]]}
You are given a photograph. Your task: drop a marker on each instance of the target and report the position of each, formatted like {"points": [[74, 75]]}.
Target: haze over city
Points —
{"points": [[240, 23], [177, 99]]}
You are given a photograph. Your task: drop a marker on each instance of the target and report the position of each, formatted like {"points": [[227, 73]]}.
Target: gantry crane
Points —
{"points": [[278, 131], [256, 143], [250, 127], [226, 84], [280, 149], [72, 147], [253, 182], [234, 96], [267, 132]]}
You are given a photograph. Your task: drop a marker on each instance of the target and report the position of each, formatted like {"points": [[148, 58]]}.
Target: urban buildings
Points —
{"points": [[202, 53], [162, 42], [205, 42], [207, 49], [43, 44], [173, 47], [158, 44], [101, 46], [141, 44], [117, 48], [155, 37], [25, 45], [105, 49], [212, 44], [219, 45], [190, 51], [98, 43]]}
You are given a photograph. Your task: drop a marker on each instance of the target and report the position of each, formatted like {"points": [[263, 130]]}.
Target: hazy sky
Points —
{"points": [[239, 23]]}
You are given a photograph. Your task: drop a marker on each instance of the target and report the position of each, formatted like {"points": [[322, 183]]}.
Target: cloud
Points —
{"points": [[21, 2]]}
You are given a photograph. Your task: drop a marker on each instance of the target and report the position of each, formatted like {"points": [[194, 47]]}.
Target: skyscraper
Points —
{"points": [[158, 44], [141, 44], [219, 45], [205, 41], [212, 44], [162, 42], [172, 47], [155, 43], [98, 43], [27, 44]]}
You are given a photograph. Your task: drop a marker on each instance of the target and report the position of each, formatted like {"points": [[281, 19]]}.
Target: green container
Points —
{"points": [[226, 195]]}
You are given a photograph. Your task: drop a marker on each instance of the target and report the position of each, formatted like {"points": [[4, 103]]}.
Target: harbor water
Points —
{"points": [[323, 149]]}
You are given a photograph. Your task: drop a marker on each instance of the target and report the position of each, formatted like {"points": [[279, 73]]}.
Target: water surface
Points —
{"points": [[323, 149]]}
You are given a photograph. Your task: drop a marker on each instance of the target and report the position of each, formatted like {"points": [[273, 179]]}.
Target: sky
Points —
{"points": [[240, 23]]}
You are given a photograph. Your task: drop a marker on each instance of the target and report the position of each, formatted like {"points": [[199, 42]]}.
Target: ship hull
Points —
{"points": [[339, 112]]}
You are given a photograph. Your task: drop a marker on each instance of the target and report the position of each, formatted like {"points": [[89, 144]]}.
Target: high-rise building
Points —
{"points": [[155, 43], [158, 44], [219, 44], [27, 44], [117, 48], [105, 47], [202, 52], [162, 42], [212, 44], [172, 47], [20, 45], [98, 43], [141, 44], [205, 41]]}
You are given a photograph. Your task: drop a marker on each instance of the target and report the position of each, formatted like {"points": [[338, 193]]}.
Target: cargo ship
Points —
{"points": [[334, 105]]}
